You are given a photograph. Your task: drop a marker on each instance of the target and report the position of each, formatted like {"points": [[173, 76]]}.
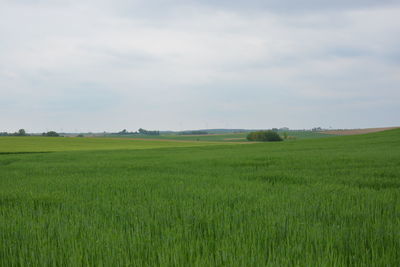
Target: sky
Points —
{"points": [[108, 65]]}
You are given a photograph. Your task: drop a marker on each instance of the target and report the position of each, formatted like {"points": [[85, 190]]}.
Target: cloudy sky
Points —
{"points": [[106, 65]]}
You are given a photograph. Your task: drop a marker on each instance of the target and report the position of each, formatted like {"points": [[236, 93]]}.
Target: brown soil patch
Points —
{"points": [[358, 131]]}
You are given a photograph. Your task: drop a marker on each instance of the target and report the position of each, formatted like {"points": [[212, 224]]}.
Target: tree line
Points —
{"points": [[22, 132], [140, 131]]}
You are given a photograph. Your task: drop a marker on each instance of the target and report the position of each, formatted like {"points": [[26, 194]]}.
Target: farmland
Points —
{"points": [[228, 137], [357, 131], [112, 202], [45, 144]]}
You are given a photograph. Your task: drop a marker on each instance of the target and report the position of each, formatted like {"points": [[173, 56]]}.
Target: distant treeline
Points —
{"points": [[51, 134], [146, 132], [140, 131], [192, 133], [21, 132]]}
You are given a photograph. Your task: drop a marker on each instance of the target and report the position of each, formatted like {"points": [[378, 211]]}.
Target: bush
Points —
{"points": [[51, 134], [264, 136]]}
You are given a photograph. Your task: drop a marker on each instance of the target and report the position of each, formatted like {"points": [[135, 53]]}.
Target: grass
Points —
{"points": [[316, 202]]}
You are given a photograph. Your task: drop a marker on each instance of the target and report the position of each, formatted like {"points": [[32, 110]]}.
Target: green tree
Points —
{"points": [[21, 132]]}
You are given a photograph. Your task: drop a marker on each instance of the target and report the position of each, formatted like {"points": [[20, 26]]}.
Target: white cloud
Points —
{"points": [[194, 65]]}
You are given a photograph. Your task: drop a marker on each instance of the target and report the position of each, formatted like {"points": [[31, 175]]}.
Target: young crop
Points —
{"points": [[316, 202]]}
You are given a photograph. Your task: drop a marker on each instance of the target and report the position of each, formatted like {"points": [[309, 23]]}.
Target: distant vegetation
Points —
{"points": [[316, 129], [124, 132], [21, 132], [140, 131], [264, 136], [146, 132], [51, 134]]}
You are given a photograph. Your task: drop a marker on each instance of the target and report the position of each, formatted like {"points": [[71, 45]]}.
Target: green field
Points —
{"points": [[314, 202], [46, 144], [229, 137]]}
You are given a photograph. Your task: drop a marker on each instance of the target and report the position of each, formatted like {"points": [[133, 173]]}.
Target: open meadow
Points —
{"points": [[331, 201]]}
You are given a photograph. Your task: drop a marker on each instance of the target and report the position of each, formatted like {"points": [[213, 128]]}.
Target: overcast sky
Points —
{"points": [[106, 65]]}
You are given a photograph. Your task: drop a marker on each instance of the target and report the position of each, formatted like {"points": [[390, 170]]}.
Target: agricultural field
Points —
{"points": [[46, 144], [233, 137], [357, 131], [229, 137], [331, 201]]}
